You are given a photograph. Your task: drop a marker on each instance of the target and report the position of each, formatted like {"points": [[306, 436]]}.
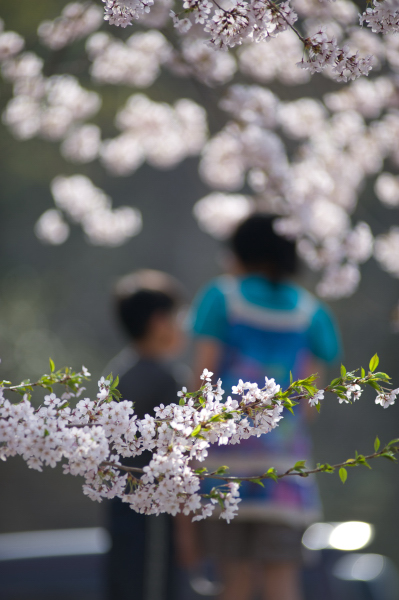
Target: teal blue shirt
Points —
{"points": [[282, 312], [267, 329]]}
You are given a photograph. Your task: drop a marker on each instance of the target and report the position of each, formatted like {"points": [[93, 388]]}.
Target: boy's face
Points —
{"points": [[166, 333]]}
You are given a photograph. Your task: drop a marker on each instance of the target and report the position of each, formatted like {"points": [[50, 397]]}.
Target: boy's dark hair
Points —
{"points": [[260, 248], [142, 294]]}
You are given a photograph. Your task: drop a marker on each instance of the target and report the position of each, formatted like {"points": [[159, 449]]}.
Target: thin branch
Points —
{"points": [[15, 388], [321, 469], [347, 463], [219, 7], [122, 467], [294, 29]]}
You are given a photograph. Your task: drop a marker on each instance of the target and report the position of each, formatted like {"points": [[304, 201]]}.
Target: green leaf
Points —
{"points": [[380, 375], [360, 460], [343, 474], [392, 442], [374, 385], [52, 365], [115, 382], [376, 444], [311, 389], [326, 468], [201, 471], [291, 380], [221, 470], [196, 431], [389, 456], [182, 402], [258, 481], [362, 373], [272, 474], [374, 363], [340, 388], [343, 371], [301, 464], [335, 381]]}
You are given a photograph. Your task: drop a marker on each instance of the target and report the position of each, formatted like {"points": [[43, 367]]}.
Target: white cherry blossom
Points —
{"points": [[76, 21], [90, 207]]}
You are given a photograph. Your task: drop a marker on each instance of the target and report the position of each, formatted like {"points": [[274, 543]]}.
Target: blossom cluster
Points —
{"points": [[157, 132], [122, 12], [314, 192], [387, 250], [92, 438], [245, 22], [135, 62], [198, 60], [75, 22], [323, 52], [383, 17], [387, 189], [11, 43], [305, 160], [49, 107], [349, 393], [259, 20], [228, 27], [83, 203], [387, 399]]}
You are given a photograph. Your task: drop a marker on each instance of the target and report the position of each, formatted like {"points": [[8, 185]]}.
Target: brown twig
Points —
{"points": [[290, 472], [294, 29], [15, 388]]}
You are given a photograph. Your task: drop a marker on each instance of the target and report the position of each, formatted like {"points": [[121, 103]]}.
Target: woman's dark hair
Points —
{"points": [[142, 294], [259, 248]]}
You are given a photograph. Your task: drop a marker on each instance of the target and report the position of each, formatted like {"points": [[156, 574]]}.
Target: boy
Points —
{"points": [[147, 303]]}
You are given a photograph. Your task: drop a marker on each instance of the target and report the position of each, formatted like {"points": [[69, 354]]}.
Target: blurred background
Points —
{"points": [[55, 302]]}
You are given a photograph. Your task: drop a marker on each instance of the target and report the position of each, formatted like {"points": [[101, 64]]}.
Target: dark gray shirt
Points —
{"points": [[147, 383]]}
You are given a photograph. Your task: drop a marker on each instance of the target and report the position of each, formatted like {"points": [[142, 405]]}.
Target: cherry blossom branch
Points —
{"points": [[218, 6], [28, 385], [122, 467], [65, 377], [276, 7], [94, 436], [298, 469]]}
